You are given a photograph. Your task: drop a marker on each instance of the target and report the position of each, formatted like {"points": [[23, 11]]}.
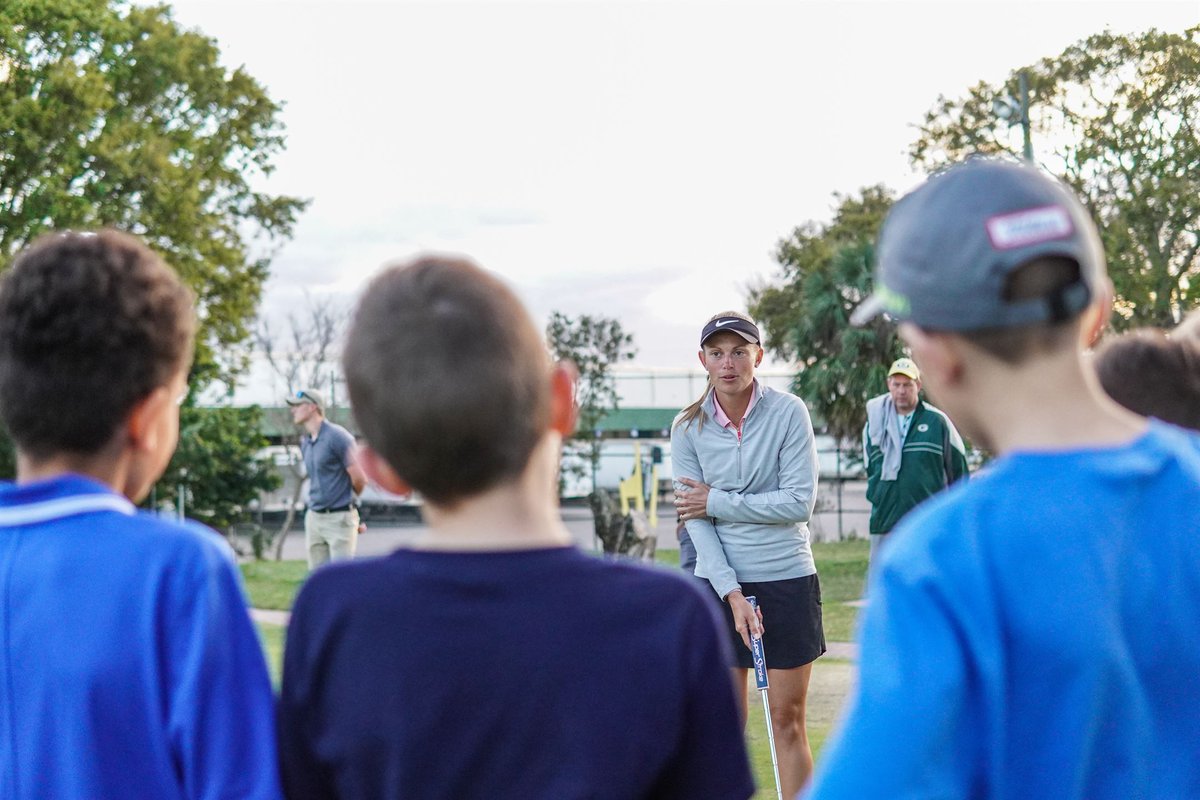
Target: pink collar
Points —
{"points": [[719, 415]]}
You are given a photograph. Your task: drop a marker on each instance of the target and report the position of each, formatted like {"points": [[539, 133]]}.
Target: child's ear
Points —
{"points": [[1095, 317], [940, 357], [379, 471], [563, 410], [143, 425]]}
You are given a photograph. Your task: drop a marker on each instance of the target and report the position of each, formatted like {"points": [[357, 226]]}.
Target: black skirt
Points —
{"points": [[792, 631]]}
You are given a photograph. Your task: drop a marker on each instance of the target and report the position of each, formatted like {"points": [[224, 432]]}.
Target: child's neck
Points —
{"points": [[113, 472], [313, 425], [519, 515], [1054, 404]]}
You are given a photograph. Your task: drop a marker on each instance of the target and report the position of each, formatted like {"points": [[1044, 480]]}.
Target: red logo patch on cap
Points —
{"points": [[1029, 227]]}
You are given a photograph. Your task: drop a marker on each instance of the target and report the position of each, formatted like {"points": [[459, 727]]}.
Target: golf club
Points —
{"points": [[760, 680]]}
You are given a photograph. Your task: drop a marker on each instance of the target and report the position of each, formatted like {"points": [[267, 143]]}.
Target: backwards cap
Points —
{"points": [[947, 248]]}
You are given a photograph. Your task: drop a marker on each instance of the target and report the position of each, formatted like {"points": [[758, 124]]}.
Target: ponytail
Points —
{"points": [[695, 410]]}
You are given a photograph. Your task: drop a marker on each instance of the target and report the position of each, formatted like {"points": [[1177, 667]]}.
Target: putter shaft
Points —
{"points": [[760, 680]]}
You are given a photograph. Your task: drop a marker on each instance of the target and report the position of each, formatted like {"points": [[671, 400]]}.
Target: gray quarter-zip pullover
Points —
{"points": [[763, 489]]}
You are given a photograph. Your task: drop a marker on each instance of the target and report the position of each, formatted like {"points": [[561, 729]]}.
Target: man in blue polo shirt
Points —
{"points": [[331, 522]]}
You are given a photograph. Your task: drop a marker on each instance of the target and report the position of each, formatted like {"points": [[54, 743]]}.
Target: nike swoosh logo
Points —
{"points": [[724, 322]]}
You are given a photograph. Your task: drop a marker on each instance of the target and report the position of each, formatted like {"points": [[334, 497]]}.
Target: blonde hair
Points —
{"points": [[695, 411]]}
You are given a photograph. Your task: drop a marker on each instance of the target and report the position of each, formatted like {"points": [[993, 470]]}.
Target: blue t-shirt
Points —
{"points": [[130, 667], [528, 674], [1034, 633], [325, 460]]}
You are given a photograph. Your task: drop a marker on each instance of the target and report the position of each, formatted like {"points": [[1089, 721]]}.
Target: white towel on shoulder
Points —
{"points": [[883, 429]]}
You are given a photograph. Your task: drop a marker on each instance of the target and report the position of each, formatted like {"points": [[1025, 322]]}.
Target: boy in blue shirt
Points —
{"points": [[130, 668], [490, 658], [1032, 633]]}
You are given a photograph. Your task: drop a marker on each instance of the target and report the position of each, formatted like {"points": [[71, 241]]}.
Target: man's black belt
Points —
{"points": [[334, 510]]}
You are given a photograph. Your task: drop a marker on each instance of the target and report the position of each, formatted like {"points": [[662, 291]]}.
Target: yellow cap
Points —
{"points": [[905, 366]]}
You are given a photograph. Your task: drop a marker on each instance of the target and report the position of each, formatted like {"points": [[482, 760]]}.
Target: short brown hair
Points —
{"points": [[90, 324], [448, 377], [1152, 375]]}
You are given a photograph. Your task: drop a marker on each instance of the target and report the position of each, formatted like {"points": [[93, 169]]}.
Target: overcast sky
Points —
{"points": [[638, 160]]}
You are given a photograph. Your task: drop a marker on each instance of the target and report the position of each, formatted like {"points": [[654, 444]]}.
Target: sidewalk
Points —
{"points": [[384, 536]]}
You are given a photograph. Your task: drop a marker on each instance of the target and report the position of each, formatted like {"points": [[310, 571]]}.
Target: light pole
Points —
{"points": [[1014, 111]]}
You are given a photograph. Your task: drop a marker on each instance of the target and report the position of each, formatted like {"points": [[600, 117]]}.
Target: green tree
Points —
{"points": [[217, 465], [825, 272], [1118, 118], [594, 344], [113, 115]]}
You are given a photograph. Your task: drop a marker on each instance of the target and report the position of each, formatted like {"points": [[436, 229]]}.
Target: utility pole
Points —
{"points": [[1015, 111], [1024, 81]]}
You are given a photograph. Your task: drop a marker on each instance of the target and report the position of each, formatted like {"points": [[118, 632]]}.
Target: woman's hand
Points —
{"points": [[691, 503], [747, 620]]}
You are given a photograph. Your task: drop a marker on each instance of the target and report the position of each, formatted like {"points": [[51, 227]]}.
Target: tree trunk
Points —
{"points": [[281, 534]]}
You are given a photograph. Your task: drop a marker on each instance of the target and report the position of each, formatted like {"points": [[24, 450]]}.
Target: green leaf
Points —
{"points": [[1117, 118], [825, 272]]}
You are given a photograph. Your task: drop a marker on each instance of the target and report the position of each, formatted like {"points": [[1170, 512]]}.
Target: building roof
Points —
{"points": [[277, 421], [646, 422]]}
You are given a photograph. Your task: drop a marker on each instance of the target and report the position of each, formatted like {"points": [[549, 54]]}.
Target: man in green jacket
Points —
{"points": [[912, 450]]}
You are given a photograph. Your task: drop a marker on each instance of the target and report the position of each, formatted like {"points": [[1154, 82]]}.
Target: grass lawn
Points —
{"points": [[272, 637], [842, 566], [831, 681], [273, 584]]}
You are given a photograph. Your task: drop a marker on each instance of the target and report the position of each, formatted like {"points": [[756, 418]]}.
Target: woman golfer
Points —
{"points": [[745, 469]]}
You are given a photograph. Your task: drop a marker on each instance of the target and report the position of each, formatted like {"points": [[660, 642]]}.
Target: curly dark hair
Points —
{"points": [[90, 324]]}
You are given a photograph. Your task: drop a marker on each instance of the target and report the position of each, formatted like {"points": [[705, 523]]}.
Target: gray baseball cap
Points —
{"points": [[307, 396], [947, 248]]}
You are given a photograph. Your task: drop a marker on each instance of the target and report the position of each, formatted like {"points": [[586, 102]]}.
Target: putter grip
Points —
{"points": [[760, 656]]}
